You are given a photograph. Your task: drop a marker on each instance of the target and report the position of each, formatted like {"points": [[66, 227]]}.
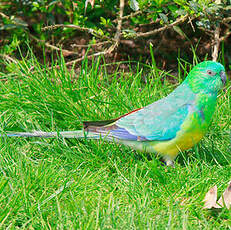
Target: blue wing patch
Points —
{"points": [[122, 133]]}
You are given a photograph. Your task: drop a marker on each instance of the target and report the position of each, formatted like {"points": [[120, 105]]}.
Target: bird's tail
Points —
{"points": [[63, 134]]}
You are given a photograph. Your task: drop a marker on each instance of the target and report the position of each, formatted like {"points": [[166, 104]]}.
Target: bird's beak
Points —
{"points": [[223, 77]]}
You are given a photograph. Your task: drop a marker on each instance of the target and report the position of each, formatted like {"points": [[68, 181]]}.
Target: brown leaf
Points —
{"points": [[210, 198], [226, 197]]}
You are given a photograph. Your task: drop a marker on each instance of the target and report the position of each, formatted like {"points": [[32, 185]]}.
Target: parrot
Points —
{"points": [[166, 127]]}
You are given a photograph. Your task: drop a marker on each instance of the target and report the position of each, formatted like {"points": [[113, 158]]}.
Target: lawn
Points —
{"points": [[80, 184]]}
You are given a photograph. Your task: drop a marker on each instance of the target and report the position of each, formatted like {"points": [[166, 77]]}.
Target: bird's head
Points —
{"points": [[207, 76]]}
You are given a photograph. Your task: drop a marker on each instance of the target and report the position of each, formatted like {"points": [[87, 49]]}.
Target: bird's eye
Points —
{"points": [[211, 73]]}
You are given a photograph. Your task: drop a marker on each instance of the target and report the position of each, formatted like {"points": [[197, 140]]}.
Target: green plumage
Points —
{"points": [[172, 124]]}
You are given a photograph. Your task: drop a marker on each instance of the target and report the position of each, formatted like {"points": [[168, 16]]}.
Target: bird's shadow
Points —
{"points": [[209, 155]]}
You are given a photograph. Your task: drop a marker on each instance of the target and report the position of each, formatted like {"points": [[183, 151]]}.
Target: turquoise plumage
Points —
{"points": [[162, 119], [168, 126]]}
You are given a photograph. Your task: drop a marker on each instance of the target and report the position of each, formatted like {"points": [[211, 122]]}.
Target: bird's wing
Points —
{"points": [[160, 120], [152, 125]]}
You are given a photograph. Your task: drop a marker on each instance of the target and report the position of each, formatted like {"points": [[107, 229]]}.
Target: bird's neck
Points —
{"points": [[205, 101], [197, 89]]}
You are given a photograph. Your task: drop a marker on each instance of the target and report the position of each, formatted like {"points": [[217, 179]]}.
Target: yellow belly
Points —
{"points": [[181, 142], [190, 133]]}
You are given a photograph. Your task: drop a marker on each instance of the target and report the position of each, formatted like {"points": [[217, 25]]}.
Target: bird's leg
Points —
{"points": [[170, 163]]}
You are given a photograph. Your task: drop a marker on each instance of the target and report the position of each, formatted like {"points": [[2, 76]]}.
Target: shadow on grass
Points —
{"points": [[207, 153]]}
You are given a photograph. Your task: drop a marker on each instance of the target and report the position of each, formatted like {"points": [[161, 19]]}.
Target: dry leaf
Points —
{"points": [[210, 198], [226, 197]]}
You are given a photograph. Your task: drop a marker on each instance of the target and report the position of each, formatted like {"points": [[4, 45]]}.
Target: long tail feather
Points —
{"points": [[64, 134], [79, 134], [92, 130]]}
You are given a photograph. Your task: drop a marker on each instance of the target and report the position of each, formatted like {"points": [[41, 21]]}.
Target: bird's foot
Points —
{"points": [[170, 163]]}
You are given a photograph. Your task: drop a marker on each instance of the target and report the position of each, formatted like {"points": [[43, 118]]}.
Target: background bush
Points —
{"points": [[37, 22]]}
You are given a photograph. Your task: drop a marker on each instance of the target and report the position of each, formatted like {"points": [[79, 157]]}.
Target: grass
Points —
{"points": [[72, 184]]}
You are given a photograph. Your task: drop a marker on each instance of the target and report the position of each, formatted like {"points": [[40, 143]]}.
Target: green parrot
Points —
{"points": [[172, 124]]}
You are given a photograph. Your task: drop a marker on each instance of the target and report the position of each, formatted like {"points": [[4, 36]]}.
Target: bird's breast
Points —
{"points": [[190, 133]]}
